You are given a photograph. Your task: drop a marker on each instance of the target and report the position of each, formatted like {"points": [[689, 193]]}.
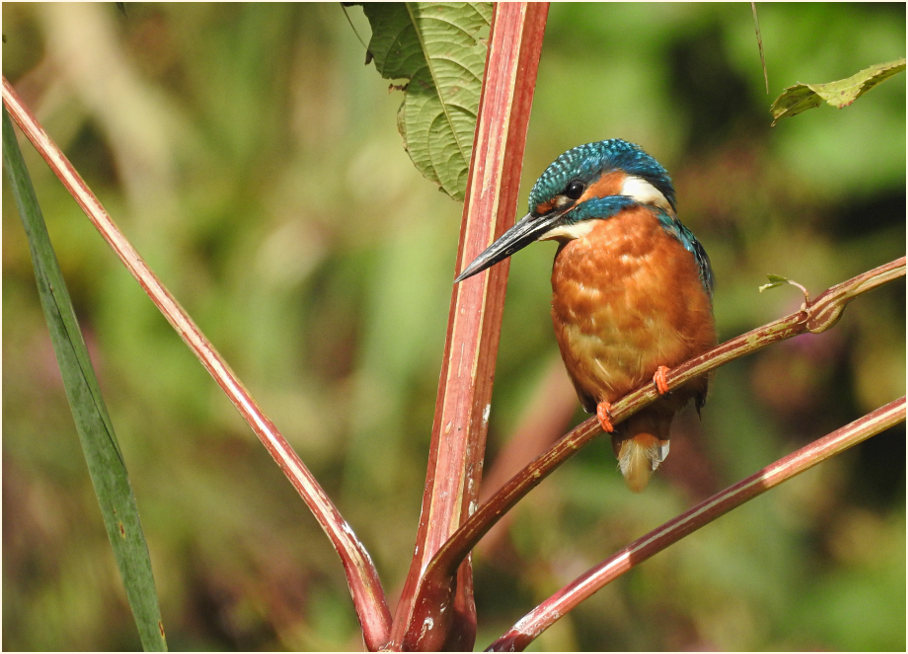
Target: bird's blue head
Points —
{"points": [[577, 170], [590, 181]]}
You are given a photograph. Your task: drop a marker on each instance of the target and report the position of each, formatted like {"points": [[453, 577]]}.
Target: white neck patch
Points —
{"points": [[569, 232], [645, 193]]}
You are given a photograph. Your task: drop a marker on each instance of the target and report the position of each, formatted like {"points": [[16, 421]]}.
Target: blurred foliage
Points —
{"points": [[253, 160]]}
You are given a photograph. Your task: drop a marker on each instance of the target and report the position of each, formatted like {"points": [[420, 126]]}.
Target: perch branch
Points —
{"points": [[814, 316], [559, 604]]}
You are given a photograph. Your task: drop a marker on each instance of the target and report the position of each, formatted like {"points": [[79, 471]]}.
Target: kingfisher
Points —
{"points": [[631, 289]]}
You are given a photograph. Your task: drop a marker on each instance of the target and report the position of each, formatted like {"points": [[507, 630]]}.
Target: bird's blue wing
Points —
{"points": [[674, 227]]}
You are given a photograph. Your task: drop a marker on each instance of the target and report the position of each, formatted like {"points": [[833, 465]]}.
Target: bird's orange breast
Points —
{"points": [[627, 298]]}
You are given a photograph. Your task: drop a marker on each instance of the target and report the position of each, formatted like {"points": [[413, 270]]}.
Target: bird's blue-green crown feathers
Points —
{"points": [[588, 161]]}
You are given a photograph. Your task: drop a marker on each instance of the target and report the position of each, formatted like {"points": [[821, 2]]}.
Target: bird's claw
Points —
{"points": [[659, 380], [604, 414]]}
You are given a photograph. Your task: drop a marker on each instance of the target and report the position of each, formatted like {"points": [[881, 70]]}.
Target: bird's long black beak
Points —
{"points": [[525, 231]]}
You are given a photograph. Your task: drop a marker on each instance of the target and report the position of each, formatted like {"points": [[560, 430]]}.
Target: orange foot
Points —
{"points": [[659, 380], [604, 413]]}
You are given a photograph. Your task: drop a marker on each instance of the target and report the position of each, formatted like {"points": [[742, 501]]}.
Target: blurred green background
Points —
{"points": [[252, 158]]}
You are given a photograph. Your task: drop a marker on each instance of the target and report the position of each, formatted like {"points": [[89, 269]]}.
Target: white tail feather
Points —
{"points": [[638, 457]]}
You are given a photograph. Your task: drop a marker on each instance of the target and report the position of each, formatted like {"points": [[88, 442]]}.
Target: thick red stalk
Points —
{"points": [[447, 620], [362, 577]]}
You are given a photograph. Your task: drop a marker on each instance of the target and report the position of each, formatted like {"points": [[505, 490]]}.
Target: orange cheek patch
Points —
{"points": [[608, 184]]}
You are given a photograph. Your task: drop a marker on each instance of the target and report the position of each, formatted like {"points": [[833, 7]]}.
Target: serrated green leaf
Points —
{"points": [[840, 93], [99, 444], [440, 49]]}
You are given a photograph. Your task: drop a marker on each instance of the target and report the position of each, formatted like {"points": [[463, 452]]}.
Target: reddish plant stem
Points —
{"points": [[362, 577], [448, 620], [550, 611], [813, 317]]}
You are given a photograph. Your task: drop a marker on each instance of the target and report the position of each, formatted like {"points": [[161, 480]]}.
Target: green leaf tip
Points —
{"points": [[774, 280], [778, 280], [440, 50], [840, 93]]}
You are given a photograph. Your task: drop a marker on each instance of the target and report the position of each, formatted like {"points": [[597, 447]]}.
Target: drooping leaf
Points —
{"points": [[839, 93], [439, 50], [99, 444]]}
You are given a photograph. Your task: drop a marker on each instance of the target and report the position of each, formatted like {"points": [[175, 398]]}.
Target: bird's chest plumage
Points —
{"points": [[627, 298]]}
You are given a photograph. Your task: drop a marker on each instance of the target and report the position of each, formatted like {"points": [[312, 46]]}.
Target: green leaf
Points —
{"points": [[840, 93], [440, 50], [774, 281], [99, 445], [778, 280]]}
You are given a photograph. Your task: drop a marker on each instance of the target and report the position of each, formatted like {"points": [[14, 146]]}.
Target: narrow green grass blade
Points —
{"points": [[99, 445]]}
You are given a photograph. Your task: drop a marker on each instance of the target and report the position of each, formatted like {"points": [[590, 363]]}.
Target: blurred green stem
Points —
{"points": [[105, 462]]}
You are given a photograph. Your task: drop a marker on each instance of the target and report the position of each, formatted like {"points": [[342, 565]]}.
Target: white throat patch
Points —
{"points": [[569, 232]]}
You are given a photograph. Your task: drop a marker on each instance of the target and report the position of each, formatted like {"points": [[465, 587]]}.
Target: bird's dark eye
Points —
{"points": [[574, 189]]}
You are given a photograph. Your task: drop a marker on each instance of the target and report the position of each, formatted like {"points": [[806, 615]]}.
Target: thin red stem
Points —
{"points": [[362, 577], [546, 614]]}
